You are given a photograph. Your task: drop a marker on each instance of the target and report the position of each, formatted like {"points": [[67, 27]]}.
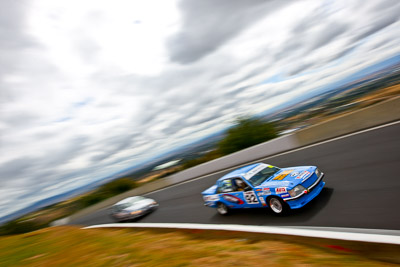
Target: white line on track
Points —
{"points": [[280, 154], [350, 236]]}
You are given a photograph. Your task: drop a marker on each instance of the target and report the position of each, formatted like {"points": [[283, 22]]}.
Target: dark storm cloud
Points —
{"points": [[12, 24], [384, 5], [147, 117], [379, 24], [101, 156], [167, 96], [19, 119], [209, 24], [301, 31], [344, 52], [30, 167], [184, 109], [254, 72], [192, 119], [87, 49], [296, 69], [237, 90], [328, 34], [113, 145], [304, 25], [13, 41], [36, 180], [67, 151], [262, 66], [16, 167], [133, 84]]}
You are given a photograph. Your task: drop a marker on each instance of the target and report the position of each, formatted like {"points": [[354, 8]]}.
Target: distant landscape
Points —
{"points": [[364, 88], [378, 84]]}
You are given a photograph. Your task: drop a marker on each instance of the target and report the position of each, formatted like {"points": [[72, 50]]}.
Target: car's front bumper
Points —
{"points": [[303, 199]]}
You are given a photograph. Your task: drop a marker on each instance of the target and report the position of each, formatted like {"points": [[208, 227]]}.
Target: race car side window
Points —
{"points": [[240, 185], [225, 186]]}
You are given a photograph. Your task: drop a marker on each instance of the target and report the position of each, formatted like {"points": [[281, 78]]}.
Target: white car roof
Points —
{"points": [[126, 200]]}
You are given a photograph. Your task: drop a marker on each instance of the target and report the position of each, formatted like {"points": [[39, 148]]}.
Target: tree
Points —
{"points": [[247, 132], [207, 157], [106, 191]]}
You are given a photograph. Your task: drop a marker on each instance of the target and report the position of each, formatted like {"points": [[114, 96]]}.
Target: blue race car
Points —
{"points": [[263, 185]]}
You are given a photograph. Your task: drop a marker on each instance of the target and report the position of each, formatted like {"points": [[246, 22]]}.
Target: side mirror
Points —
{"points": [[248, 188]]}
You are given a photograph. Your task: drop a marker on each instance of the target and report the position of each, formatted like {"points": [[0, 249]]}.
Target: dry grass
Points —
{"points": [[364, 101], [391, 91], [70, 246]]}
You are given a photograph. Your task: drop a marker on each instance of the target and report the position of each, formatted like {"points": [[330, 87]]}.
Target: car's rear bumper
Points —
{"points": [[314, 191]]}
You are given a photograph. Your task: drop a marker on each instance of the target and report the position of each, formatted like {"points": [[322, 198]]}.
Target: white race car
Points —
{"points": [[132, 208]]}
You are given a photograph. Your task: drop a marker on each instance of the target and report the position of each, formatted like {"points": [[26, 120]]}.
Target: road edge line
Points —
{"points": [[347, 236]]}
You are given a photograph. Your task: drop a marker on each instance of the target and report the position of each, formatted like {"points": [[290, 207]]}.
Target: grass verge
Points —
{"points": [[71, 246]]}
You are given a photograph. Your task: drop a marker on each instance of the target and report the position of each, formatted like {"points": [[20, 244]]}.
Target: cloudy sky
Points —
{"points": [[88, 88]]}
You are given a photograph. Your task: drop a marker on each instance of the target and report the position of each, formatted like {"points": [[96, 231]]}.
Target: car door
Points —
{"points": [[234, 197], [252, 200], [229, 195]]}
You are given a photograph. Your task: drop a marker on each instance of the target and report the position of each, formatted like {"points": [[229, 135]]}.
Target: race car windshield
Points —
{"points": [[132, 201], [263, 175], [120, 207]]}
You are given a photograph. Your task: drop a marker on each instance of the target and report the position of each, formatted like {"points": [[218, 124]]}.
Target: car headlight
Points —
{"points": [[297, 190], [136, 212], [317, 172]]}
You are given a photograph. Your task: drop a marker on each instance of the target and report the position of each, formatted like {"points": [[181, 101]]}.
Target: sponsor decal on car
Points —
{"points": [[294, 174], [285, 195], [265, 192], [282, 175], [211, 198], [258, 189], [250, 197], [232, 199], [304, 175], [255, 170], [280, 190], [263, 201]]}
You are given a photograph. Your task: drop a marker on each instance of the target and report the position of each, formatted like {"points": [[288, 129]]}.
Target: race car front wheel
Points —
{"points": [[277, 205], [222, 209]]}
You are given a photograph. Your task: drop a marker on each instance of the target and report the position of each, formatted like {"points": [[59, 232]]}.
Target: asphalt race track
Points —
{"points": [[362, 175]]}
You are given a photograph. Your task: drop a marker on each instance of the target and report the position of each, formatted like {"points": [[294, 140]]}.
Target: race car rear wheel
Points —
{"points": [[222, 209], [277, 205]]}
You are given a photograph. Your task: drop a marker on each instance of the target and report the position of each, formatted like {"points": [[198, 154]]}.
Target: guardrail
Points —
{"points": [[375, 115]]}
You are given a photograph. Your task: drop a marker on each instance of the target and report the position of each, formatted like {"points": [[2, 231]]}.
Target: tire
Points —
{"points": [[277, 205], [222, 209]]}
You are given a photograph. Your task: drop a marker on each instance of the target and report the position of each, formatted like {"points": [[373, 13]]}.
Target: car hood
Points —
{"points": [[289, 177]]}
